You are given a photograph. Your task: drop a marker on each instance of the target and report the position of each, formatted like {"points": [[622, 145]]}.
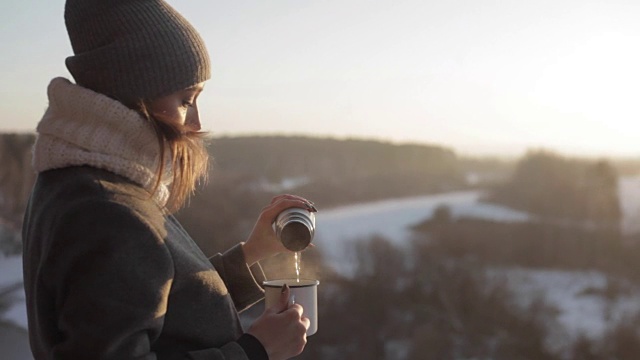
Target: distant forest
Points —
{"points": [[444, 304], [247, 171], [563, 189], [339, 171]]}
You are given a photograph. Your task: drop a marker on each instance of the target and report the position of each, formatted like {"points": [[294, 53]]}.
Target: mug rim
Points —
{"points": [[293, 283]]}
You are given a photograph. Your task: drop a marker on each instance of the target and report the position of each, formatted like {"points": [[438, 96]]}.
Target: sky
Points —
{"points": [[483, 77]]}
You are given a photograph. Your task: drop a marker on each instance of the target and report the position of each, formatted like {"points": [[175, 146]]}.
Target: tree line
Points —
{"points": [[432, 300], [562, 189]]}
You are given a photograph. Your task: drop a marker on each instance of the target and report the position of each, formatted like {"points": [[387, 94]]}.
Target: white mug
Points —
{"points": [[303, 292]]}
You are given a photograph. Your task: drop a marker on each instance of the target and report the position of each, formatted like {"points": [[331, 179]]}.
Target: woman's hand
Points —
{"points": [[262, 242], [281, 329]]}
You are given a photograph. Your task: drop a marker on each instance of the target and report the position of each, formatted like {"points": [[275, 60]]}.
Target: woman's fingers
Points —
{"points": [[289, 196], [262, 241], [308, 203], [270, 212]]}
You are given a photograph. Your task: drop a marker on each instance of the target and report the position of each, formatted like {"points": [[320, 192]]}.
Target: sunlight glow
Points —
{"points": [[477, 76]]}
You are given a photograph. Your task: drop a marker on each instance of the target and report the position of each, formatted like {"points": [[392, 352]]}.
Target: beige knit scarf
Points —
{"points": [[82, 127]]}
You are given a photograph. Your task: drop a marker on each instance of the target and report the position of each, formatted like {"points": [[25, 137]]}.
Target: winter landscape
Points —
{"points": [[583, 309]]}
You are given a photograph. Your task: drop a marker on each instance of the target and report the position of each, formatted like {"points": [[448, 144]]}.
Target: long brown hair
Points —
{"points": [[189, 158]]}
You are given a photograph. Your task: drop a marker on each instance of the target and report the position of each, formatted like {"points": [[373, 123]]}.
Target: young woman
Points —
{"points": [[109, 272]]}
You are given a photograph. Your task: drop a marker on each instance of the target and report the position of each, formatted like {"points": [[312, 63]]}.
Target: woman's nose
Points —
{"points": [[193, 119]]}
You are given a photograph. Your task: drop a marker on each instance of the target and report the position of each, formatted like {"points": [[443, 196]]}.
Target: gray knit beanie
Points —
{"points": [[130, 49]]}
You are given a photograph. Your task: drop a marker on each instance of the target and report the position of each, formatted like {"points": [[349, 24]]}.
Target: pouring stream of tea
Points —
{"points": [[297, 256]]}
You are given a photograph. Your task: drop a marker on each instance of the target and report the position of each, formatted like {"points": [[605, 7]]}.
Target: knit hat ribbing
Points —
{"points": [[129, 49]]}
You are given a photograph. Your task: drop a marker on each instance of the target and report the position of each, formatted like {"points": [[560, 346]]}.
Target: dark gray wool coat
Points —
{"points": [[110, 275]]}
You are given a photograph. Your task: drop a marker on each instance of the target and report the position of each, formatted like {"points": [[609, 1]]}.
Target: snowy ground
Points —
{"points": [[388, 218], [582, 309], [11, 275], [337, 229], [629, 195], [580, 298]]}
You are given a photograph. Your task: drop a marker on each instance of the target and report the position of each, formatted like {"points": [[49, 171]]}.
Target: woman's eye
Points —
{"points": [[187, 103]]}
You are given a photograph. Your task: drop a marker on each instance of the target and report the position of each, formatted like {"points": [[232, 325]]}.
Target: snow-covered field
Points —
{"points": [[10, 275], [582, 309], [629, 195], [581, 299], [337, 229], [14, 343]]}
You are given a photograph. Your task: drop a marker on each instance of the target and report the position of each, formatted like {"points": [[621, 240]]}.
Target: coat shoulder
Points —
{"points": [[69, 190]]}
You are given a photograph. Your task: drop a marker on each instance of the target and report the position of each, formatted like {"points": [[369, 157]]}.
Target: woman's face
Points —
{"points": [[179, 108]]}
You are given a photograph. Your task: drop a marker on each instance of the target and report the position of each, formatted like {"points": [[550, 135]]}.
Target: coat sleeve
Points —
{"points": [[243, 281], [110, 273]]}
